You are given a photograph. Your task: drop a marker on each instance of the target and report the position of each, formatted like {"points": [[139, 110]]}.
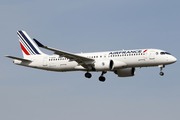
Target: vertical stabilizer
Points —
{"points": [[29, 48]]}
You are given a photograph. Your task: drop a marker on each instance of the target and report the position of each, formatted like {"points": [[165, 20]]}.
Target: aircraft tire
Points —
{"points": [[161, 73], [102, 78], [88, 75]]}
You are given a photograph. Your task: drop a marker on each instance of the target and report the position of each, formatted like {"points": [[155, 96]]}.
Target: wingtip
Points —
{"points": [[38, 43], [6, 55]]}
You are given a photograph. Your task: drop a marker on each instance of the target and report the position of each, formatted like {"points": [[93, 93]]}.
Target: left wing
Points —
{"points": [[81, 60]]}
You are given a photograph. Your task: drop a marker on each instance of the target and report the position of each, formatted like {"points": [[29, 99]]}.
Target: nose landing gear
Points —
{"points": [[161, 73], [161, 67]]}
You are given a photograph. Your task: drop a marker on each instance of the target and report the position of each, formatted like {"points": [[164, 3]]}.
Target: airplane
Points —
{"points": [[121, 62]]}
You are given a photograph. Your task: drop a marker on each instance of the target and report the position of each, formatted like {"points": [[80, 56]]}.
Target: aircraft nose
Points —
{"points": [[172, 59]]}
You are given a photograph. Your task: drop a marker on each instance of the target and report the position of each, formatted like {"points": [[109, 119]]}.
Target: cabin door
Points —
{"points": [[152, 55], [45, 62]]}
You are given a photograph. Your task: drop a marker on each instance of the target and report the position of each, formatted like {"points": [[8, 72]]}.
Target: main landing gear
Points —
{"points": [[88, 75], [161, 67], [101, 78]]}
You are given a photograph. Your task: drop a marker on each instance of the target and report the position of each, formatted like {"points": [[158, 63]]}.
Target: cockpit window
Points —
{"points": [[162, 53], [165, 53]]}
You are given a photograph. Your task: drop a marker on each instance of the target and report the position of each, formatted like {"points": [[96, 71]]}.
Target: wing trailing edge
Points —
{"points": [[83, 61]]}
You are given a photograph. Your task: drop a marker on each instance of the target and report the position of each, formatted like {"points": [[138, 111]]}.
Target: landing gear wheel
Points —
{"points": [[102, 78], [161, 73], [161, 67], [88, 75]]}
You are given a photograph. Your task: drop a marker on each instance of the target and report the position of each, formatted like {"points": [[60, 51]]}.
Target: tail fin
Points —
{"points": [[28, 47]]}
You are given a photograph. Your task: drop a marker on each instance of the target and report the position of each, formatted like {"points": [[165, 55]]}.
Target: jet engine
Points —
{"points": [[108, 65], [127, 72], [103, 65]]}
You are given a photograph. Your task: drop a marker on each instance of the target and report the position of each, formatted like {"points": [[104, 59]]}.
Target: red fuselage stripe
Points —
{"points": [[144, 51]]}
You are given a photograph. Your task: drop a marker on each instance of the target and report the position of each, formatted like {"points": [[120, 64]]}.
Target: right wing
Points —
{"points": [[81, 60]]}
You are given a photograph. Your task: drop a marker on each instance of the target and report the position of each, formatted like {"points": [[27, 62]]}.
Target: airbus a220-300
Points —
{"points": [[121, 62]]}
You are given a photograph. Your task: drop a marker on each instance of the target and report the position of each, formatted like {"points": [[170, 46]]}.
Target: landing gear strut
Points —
{"points": [[161, 67], [88, 75], [102, 78]]}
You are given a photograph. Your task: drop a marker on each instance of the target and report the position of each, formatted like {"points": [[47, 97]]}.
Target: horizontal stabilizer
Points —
{"points": [[26, 60]]}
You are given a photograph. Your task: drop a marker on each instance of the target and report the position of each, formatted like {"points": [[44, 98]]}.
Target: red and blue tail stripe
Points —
{"points": [[24, 49], [26, 44]]}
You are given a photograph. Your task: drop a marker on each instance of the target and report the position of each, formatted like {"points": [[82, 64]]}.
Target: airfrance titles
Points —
{"points": [[127, 52]]}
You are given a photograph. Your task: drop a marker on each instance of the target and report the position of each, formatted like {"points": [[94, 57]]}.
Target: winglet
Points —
{"points": [[38, 43]]}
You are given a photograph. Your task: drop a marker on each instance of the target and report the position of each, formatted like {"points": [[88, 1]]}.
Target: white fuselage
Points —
{"points": [[129, 58]]}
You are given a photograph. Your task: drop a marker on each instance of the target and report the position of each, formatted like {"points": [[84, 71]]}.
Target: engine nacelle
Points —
{"points": [[109, 65], [103, 65], [127, 72], [118, 65]]}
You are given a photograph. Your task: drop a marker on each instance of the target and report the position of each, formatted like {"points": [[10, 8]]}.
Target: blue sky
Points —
{"points": [[89, 26]]}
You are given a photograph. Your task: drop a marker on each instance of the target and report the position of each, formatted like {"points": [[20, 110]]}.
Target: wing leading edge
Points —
{"points": [[81, 60]]}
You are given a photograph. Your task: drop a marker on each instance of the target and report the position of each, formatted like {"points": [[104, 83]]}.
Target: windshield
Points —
{"points": [[165, 53]]}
